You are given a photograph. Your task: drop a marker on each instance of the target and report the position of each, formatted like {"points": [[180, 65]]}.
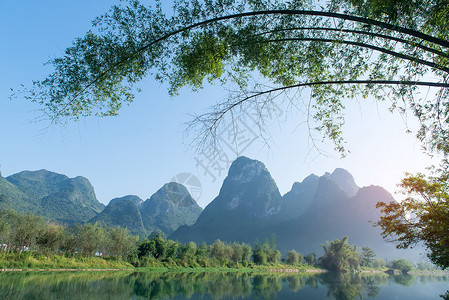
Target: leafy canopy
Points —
{"points": [[343, 50], [422, 217], [339, 256]]}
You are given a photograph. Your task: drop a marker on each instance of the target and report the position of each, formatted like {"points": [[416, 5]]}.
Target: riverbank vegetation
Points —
{"points": [[29, 242]]}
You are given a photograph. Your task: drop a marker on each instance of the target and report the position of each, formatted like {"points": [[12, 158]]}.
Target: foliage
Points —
{"points": [[402, 265], [294, 257], [159, 251], [378, 263], [422, 217], [32, 234], [367, 257], [310, 259], [346, 49], [89, 238], [51, 238], [339, 256], [266, 252], [120, 243], [28, 260]]}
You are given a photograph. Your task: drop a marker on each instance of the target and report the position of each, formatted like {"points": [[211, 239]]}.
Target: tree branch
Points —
{"points": [[221, 114], [376, 48], [372, 34], [341, 16]]}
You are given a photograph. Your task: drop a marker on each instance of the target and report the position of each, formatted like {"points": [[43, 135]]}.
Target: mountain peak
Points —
{"points": [[177, 194], [248, 188], [54, 195], [170, 207], [39, 175], [244, 169], [133, 198], [344, 180]]}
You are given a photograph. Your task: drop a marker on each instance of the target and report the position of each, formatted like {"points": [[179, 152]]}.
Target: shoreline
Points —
{"points": [[272, 270], [62, 270], [188, 269]]}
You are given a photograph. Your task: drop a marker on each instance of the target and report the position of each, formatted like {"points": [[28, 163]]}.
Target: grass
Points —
{"points": [[28, 260]]}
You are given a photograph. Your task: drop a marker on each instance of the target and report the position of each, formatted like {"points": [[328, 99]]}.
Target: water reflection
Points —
{"points": [[215, 285]]}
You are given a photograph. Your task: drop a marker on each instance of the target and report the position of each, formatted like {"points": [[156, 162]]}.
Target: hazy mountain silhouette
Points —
{"points": [[249, 208]]}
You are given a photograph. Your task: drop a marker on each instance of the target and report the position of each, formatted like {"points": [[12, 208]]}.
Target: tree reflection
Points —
{"points": [[295, 283], [64, 285], [266, 287], [194, 285], [343, 286], [348, 286], [404, 279]]}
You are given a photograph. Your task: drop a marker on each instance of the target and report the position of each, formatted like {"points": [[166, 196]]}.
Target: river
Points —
{"points": [[217, 285]]}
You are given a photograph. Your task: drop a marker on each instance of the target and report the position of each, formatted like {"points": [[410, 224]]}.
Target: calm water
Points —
{"points": [[153, 285]]}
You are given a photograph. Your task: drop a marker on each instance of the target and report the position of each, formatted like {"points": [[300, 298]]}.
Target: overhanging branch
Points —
{"points": [[364, 45], [368, 33], [221, 114], [341, 16]]}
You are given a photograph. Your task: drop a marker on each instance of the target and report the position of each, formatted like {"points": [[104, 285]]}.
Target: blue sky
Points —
{"points": [[143, 148]]}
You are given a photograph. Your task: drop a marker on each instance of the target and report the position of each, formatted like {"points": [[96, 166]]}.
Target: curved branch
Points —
{"points": [[384, 82], [381, 24], [373, 34], [376, 48]]}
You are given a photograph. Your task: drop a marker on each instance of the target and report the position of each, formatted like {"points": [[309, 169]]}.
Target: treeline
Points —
{"points": [[160, 252], [32, 234]]}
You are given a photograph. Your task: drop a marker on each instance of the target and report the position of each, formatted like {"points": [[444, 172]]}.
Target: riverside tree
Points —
{"points": [[294, 257], [367, 257], [339, 256], [422, 217], [402, 265], [332, 52]]}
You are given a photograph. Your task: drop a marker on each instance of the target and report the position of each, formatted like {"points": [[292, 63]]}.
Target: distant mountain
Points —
{"points": [[167, 209], [332, 217], [249, 208], [170, 207], [54, 196], [247, 202], [123, 212], [72, 200], [11, 196], [344, 180], [300, 198]]}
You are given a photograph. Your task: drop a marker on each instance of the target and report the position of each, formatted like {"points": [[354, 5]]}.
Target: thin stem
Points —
{"points": [[385, 82]]}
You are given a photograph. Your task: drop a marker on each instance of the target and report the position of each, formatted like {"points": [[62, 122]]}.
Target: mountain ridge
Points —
{"points": [[52, 195], [66, 200], [317, 209]]}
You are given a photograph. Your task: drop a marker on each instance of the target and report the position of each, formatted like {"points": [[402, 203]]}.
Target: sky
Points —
{"points": [[145, 146]]}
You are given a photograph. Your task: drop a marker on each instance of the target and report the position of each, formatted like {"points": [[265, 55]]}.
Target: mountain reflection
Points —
{"points": [[198, 285]]}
